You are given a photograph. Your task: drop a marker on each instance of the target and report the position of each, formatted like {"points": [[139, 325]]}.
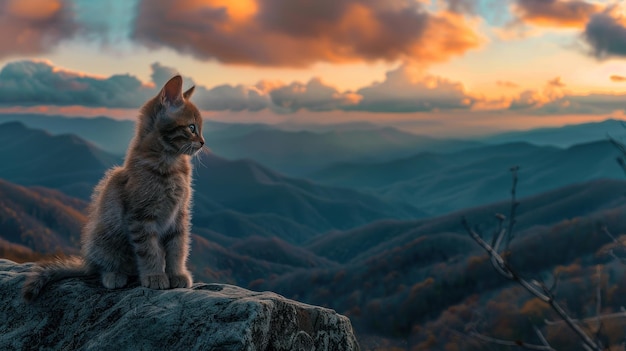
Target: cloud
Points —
{"points": [[34, 26], [28, 83], [528, 99], [313, 96], [616, 78], [462, 6], [406, 91], [551, 95], [506, 84], [31, 83], [555, 13], [606, 35], [161, 74], [553, 100], [402, 91], [233, 98], [556, 83], [220, 98], [299, 33], [596, 104]]}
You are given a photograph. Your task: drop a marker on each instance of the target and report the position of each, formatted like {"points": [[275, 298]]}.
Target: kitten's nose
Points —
{"points": [[202, 143]]}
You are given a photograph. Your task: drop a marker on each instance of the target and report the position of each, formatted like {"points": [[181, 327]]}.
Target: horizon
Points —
{"points": [[289, 125], [448, 68]]}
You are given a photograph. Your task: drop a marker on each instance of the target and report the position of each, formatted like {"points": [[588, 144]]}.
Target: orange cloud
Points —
{"points": [[556, 83], [506, 84], [239, 10], [299, 33], [616, 78], [33, 9], [34, 26], [405, 90], [555, 13]]}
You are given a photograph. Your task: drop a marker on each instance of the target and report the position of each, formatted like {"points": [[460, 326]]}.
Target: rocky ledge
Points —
{"points": [[80, 314]]}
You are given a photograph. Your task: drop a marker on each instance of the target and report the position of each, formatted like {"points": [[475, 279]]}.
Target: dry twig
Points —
{"points": [[536, 288]]}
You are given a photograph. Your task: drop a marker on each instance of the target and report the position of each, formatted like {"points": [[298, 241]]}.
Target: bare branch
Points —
{"points": [[514, 205], [496, 260], [622, 148], [534, 287], [541, 337], [517, 343], [555, 283], [599, 325], [599, 297], [504, 269], [621, 259], [595, 319], [499, 232], [606, 231], [618, 144], [617, 243]]}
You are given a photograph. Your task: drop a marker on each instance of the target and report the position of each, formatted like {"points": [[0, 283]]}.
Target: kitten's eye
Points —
{"points": [[192, 128]]}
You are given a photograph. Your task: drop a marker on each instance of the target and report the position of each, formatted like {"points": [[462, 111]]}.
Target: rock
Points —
{"points": [[81, 314]]}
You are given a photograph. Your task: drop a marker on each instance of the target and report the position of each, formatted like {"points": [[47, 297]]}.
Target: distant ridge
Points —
{"points": [[65, 162], [291, 149], [565, 136], [301, 152], [440, 183], [250, 188], [42, 220], [107, 133], [229, 194]]}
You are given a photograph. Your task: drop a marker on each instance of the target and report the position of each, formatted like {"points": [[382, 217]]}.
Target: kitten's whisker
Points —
{"points": [[199, 158], [189, 149]]}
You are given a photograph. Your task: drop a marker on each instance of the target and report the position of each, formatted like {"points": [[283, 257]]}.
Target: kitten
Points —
{"points": [[139, 217]]}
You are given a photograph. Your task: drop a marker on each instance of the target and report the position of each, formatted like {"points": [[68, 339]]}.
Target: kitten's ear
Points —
{"points": [[189, 92], [171, 94]]}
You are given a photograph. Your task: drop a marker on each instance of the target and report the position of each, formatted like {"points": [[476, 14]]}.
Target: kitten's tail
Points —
{"points": [[48, 272]]}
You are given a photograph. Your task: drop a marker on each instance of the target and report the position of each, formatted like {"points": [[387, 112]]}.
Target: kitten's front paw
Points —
{"points": [[156, 281], [112, 280], [182, 280]]}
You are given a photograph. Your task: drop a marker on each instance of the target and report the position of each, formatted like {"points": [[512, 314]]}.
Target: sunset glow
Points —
{"points": [[533, 62]]}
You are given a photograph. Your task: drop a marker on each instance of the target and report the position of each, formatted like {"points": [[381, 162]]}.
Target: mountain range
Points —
{"points": [[301, 152], [222, 187], [106, 133], [439, 183], [247, 187], [284, 148], [564, 136], [394, 276], [388, 276], [35, 221], [379, 240], [65, 162]]}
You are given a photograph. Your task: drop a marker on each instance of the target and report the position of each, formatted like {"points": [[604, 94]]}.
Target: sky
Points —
{"points": [[440, 67]]}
